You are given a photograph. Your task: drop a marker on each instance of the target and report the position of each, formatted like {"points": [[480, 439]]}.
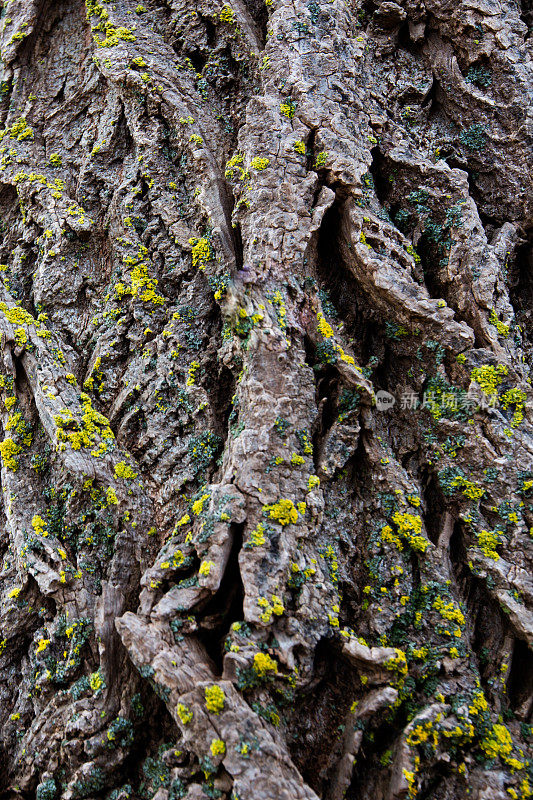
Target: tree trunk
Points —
{"points": [[267, 467]]}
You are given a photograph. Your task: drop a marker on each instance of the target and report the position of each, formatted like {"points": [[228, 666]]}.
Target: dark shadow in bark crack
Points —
{"points": [[521, 283], [520, 681], [259, 13], [489, 626], [317, 717], [527, 16], [225, 607], [435, 508]]}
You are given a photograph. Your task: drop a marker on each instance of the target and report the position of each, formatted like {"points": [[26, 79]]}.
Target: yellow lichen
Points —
{"points": [[185, 714], [201, 253], [284, 512], [123, 470], [205, 568], [214, 698], [8, 450], [489, 377], [218, 747], [264, 665]]}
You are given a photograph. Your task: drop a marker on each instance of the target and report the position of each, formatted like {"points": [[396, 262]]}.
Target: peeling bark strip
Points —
{"points": [[266, 464]]}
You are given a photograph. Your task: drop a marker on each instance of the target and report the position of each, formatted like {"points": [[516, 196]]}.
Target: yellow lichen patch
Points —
{"points": [[218, 747], [21, 337], [398, 662], [259, 163], [410, 777], [20, 130], [449, 610], [123, 470], [142, 287], [234, 165], [198, 505], [257, 536], [284, 512], [214, 698], [488, 541], [503, 330], [281, 312], [205, 568], [93, 426], [95, 681], [264, 665], [410, 527], [470, 489], [275, 608], [313, 482], [8, 450], [287, 109], [227, 14], [201, 252], [423, 733], [498, 742], [479, 704], [185, 714], [111, 497], [39, 526], [17, 315], [517, 398], [193, 369], [489, 377], [112, 35], [388, 535], [324, 328]]}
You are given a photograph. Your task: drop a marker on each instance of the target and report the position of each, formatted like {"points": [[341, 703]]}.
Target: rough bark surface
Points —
{"points": [[231, 567]]}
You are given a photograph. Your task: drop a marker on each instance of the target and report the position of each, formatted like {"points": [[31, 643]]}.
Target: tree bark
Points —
{"points": [[267, 467]]}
